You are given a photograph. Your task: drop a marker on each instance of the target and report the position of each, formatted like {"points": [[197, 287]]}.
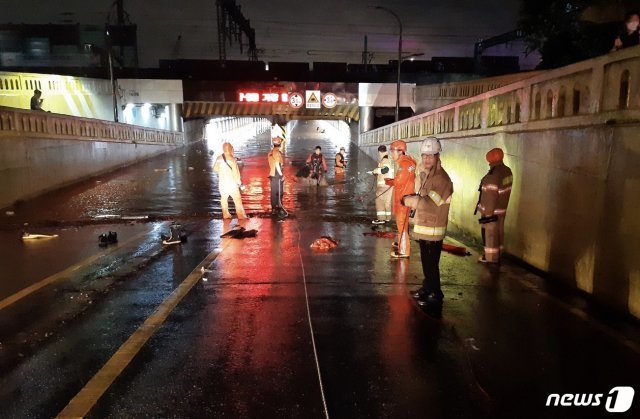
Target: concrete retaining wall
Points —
{"points": [[32, 166], [42, 151], [574, 207], [571, 137]]}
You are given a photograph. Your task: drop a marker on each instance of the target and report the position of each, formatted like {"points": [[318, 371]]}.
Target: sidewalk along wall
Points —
{"points": [[40, 152], [571, 137]]}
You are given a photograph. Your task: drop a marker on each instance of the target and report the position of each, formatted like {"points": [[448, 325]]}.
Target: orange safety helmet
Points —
{"points": [[495, 155], [227, 148], [399, 145], [276, 140]]}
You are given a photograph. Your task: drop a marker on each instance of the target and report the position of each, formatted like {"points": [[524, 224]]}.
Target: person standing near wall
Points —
{"points": [[403, 184], [495, 189], [229, 182], [431, 203]]}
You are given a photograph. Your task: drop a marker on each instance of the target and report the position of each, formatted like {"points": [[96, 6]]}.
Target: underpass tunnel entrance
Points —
{"points": [[251, 140], [237, 131], [240, 130]]}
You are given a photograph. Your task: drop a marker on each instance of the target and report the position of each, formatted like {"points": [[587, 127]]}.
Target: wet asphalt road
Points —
{"points": [[240, 343]]}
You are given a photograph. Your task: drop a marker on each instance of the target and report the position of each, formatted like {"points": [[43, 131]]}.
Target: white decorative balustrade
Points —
{"points": [[589, 92], [19, 122]]}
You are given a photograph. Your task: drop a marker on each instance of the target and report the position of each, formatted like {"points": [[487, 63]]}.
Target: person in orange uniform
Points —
{"points": [[229, 182], [340, 162], [403, 184], [495, 189], [276, 176]]}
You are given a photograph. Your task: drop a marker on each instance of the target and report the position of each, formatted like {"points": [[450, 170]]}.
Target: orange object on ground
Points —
{"points": [[382, 234], [324, 243], [456, 250]]}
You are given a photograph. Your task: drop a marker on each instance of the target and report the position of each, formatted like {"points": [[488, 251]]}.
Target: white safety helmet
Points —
{"points": [[430, 145]]}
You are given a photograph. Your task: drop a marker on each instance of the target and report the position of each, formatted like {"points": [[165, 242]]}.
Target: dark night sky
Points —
{"points": [[290, 30]]}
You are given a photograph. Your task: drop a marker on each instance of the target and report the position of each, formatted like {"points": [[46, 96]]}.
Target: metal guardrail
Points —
{"points": [[601, 86], [44, 124]]}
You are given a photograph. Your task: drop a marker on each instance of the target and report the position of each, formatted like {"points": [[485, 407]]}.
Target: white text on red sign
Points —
{"points": [[259, 97]]}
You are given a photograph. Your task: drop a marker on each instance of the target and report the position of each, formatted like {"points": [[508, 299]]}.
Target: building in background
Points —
{"points": [[67, 45]]}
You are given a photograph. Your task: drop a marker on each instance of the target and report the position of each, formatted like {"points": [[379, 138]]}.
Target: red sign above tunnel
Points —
{"points": [[263, 97]]}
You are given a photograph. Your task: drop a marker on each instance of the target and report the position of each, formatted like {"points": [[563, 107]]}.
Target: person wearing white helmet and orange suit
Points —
{"points": [[431, 203], [403, 184], [229, 182], [276, 176], [495, 189]]}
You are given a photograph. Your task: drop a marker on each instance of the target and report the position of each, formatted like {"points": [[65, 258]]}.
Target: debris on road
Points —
{"points": [[106, 239], [176, 235], [455, 250], [29, 236], [324, 243], [382, 234], [239, 233]]}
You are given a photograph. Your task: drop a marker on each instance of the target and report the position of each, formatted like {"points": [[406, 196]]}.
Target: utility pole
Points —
{"points": [[399, 58], [113, 80], [365, 54]]}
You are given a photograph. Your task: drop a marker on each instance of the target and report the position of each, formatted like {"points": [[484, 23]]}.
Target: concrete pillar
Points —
{"points": [[367, 115], [354, 131], [175, 117]]}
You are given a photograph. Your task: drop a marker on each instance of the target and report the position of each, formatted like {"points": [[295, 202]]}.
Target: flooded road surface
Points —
{"points": [[267, 327]]}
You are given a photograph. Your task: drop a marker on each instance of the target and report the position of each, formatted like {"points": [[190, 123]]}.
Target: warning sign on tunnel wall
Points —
{"points": [[313, 99]]}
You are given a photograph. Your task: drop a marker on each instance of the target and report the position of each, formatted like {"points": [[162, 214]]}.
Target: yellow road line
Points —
{"points": [[50, 279], [84, 401]]}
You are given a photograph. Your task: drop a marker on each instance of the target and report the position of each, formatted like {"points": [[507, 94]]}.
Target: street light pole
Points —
{"points": [[113, 81], [399, 58]]}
